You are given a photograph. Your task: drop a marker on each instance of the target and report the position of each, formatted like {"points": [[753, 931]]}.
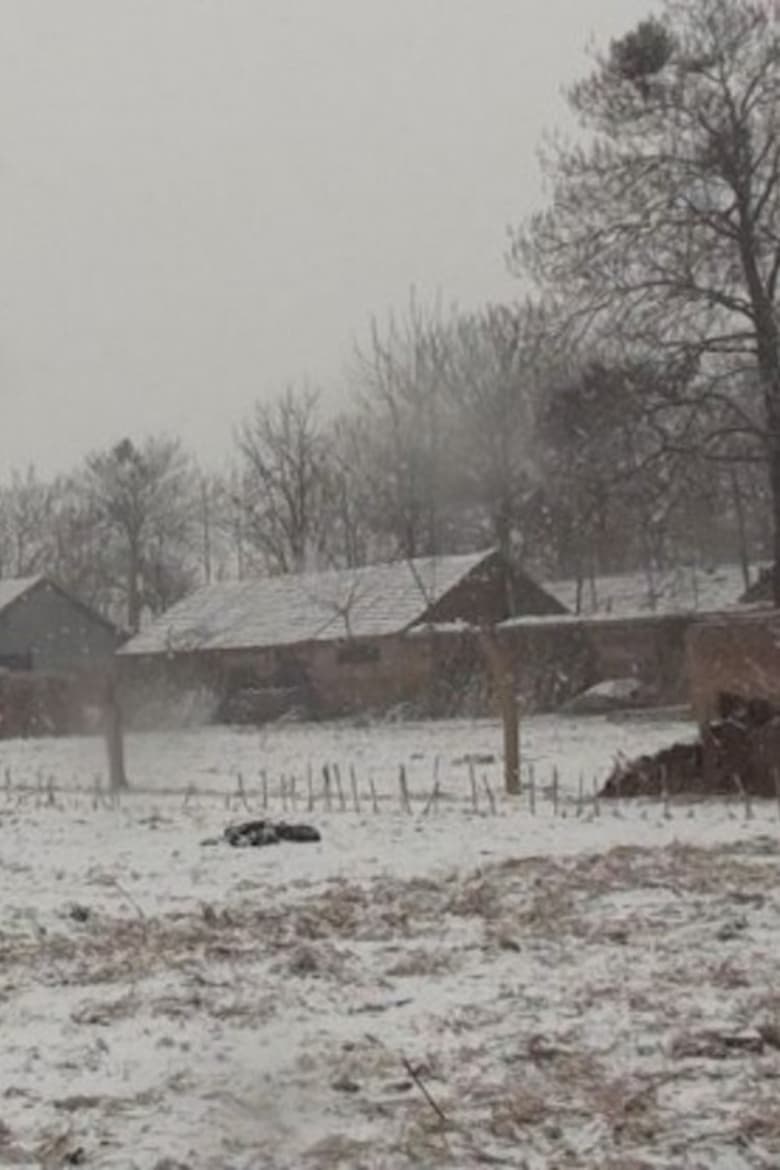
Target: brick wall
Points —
{"points": [[736, 654], [435, 673]]}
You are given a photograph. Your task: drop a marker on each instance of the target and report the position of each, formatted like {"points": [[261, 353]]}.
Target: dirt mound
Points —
{"points": [[739, 752]]}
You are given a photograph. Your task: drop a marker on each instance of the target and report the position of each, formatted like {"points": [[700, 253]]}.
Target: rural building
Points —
{"points": [[328, 643], [53, 648], [623, 626]]}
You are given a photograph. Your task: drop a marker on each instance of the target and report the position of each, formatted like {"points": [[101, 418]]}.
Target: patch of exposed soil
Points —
{"points": [[736, 754]]}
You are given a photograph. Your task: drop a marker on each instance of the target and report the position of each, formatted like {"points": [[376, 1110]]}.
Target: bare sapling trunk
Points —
{"points": [[742, 536], [503, 680], [114, 737], [774, 480]]}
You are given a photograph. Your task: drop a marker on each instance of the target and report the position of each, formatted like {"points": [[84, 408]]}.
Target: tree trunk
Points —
{"points": [[114, 737], [594, 596], [503, 678], [739, 511], [133, 591], [774, 483], [769, 367], [578, 595], [206, 520]]}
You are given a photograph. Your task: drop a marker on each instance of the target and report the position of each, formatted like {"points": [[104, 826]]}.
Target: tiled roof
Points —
{"points": [[284, 611]]}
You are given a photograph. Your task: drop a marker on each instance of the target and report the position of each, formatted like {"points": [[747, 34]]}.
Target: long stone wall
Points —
{"points": [[430, 673]]}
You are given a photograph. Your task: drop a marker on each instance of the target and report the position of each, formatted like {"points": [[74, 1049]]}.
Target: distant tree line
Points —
{"points": [[461, 433], [624, 417]]}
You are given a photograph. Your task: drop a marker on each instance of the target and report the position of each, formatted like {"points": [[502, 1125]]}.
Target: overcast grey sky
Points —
{"points": [[202, 199]]}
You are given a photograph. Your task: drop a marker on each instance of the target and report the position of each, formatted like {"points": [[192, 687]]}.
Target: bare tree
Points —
{"points": [[283, 456], [143, 500], [350, 539], [26, 504], [664, 231], [80, 558], [491, 383], [401, 375]]}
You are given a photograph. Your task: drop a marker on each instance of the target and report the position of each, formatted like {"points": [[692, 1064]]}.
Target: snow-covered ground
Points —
{"points": [[446, 987], [212, 759]]}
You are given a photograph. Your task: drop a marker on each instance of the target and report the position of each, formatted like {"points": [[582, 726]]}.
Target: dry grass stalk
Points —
{"points": [[241, 792], [420, 1083]]}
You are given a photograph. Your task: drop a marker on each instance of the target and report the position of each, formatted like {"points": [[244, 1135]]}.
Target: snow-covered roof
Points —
{"points": [[307, 607], [12, 588], [679, 591]]}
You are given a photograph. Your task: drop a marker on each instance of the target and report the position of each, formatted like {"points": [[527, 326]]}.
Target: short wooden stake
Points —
{"points": [[665, 795], [354, 785], [490, 796], [473, 782], [405, 799], [339, 788], [240, 792], [746, 798]]}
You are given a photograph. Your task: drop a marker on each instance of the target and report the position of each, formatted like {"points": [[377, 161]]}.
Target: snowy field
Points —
{"points": [[583, 985]]}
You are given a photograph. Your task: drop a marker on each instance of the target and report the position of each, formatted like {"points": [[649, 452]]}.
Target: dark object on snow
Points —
{"points": [[255, 833], [738, 753]]}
